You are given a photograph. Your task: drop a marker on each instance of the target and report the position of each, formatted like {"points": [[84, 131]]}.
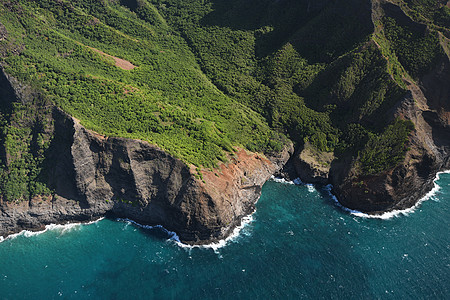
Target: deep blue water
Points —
{"points": [[299, 245]]}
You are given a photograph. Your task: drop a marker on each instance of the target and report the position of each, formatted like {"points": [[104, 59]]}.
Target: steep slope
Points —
{"points": [[176, 112], [53, 169], [343, 77], [419, 51], [91, 175]]}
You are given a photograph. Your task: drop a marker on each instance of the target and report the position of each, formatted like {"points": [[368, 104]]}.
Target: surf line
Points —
{"points": [[172, 236], [384, 216], [395, 213], [62, 227]]}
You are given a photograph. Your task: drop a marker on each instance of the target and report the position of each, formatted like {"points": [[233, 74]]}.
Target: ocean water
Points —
{"points": [[297, 245]]}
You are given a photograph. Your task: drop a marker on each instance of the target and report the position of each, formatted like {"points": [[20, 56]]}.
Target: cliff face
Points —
{"points": [[314, 87], [93, 175], [429, 152], [426, 104]]}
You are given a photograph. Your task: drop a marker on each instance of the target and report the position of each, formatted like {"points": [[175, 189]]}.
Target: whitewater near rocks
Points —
{"points": [[354, 256]]}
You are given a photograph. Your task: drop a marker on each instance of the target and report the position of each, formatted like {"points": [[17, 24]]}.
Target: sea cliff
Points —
{"points": [[93, 175], [209, 100]]}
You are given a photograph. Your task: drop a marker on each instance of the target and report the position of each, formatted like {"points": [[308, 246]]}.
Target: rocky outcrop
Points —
{"points": [[426, 105], [313, 166], [94, 175], [234, 187]]}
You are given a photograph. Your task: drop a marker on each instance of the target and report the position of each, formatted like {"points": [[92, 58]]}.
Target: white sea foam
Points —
{"points": [[215, 246], [296, 181], [172, 235], [311, 187], [62, 228], [222, 243], [281, 180], [237, 231], [395, 213]]}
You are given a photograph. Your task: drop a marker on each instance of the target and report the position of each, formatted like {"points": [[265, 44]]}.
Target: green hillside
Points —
{"points": [[209, 76]]}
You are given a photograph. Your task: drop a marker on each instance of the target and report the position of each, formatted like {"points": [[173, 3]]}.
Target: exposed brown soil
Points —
{"points": [[121, 63], [235, 172], [312, 165]]}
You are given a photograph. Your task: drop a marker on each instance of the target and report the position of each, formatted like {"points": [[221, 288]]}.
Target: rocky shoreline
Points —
{"points": [[94, 176]]}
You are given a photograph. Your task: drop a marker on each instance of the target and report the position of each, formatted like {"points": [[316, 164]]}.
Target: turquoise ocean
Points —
{"points": [[299, 244]]}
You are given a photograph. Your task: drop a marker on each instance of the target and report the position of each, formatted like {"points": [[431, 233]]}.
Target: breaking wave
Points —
{"points": [[62, 228], [395, 213], [296, 181], [172, 236]]}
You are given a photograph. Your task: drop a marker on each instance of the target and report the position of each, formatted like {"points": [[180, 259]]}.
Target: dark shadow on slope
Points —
{"points": [[58, 167], [395, 12], [319, 30], [275, 21], [120, 176], [131, 4], [356, 88], [7, 97]]}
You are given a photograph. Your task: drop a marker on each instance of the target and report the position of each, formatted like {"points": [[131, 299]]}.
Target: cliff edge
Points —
{"points": [[94, 175]]}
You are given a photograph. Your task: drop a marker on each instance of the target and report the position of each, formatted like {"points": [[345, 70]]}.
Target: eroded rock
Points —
{"points": [[94, 175], [312, 165]]}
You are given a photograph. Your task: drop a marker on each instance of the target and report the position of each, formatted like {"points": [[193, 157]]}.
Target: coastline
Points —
{"points": [[398, 212], [384, 216], [63, 226], [172, 236], [246, 220]]}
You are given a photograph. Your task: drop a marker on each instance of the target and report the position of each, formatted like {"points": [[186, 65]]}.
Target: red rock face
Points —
{"points": [[231, 191], [94, 175], [245, 173]]}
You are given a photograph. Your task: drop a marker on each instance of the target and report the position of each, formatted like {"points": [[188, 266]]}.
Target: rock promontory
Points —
{"points": [[94, 176]]}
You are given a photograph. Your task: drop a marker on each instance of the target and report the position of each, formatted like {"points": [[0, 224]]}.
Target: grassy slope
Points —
{"points": [[167, 100], [212, 75]]}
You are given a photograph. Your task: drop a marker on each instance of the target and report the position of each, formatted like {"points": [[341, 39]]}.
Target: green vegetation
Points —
{"points": [[395, 68], [210, 76], [356, 88], [433, 10], [385, 150], [166, 100], [25, 141], [416, 48]]}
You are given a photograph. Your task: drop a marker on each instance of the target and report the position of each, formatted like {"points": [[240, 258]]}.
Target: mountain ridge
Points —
{"points": [[209, 83]]}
